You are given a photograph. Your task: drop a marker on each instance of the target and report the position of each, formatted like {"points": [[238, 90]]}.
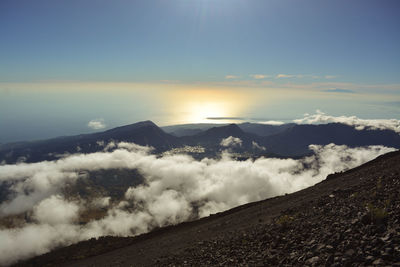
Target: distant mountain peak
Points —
{"points": [[147, 122], [134, 126], [231, 128], [144, 123], [224, 131]]}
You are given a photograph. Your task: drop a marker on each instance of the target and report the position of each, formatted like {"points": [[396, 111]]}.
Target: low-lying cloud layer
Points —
{"points": [[173, 185], [359, 124]]}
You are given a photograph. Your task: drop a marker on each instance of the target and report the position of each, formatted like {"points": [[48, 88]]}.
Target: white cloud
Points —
{"points": [[298, 76], [259, 76], [97, 124], [33, 239], [44, 180], [231, 142], [100, 143], [109, 146], [231, 77], [257, 146], [330, 76], [285, 76], [271, 122], [101, 202], [55, 210], [174, 184], [357, 123]]}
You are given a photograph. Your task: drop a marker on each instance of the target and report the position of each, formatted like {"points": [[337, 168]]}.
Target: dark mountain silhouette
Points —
{"points": [[349, 219], [212, 137], [217, 133], [290, 141], [186, 132], [264, 129], [142, 133], [189, 129], [295, 140], [254, 128]]}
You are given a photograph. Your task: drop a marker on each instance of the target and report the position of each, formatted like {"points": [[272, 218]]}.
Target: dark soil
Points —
{"points": [[352, 218]]}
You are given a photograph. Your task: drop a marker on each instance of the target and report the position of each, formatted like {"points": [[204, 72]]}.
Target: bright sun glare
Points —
{"points": [[199, 112], [196, 105]]}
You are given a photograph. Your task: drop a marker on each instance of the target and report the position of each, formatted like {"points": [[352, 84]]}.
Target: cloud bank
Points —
{"points": [[174, 184], [357, 123]]}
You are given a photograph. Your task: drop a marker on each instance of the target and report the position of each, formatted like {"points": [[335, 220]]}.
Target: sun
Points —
{"points": [[206, 105], [199, 112]]}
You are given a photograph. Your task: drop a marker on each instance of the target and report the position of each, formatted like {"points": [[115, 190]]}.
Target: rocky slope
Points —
{"points": [[351, 218]]}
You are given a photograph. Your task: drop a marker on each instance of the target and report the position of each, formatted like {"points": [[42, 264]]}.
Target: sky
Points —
{"points": [[64, 64]]}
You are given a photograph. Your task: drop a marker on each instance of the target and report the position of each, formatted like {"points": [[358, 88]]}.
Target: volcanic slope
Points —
{"points": [[351, 218]]}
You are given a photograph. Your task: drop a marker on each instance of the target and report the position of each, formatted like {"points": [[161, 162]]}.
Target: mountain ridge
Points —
{"points": [[141, 133], [290, 140], [295, 140]]}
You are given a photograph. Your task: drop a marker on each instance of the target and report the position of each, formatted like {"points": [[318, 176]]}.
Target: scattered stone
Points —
{"points": [[313, 260], [350, 252], [378, 262]]}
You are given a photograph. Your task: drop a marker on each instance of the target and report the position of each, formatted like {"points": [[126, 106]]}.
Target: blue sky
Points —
{"points": [[198, 40], [342, 48]]}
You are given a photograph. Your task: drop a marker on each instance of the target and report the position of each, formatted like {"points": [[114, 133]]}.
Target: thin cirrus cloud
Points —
{"points": [[97, 124], [288, 76], [231, 77], [338, 90], [281, 76], [259, 76], [300, 76]]}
